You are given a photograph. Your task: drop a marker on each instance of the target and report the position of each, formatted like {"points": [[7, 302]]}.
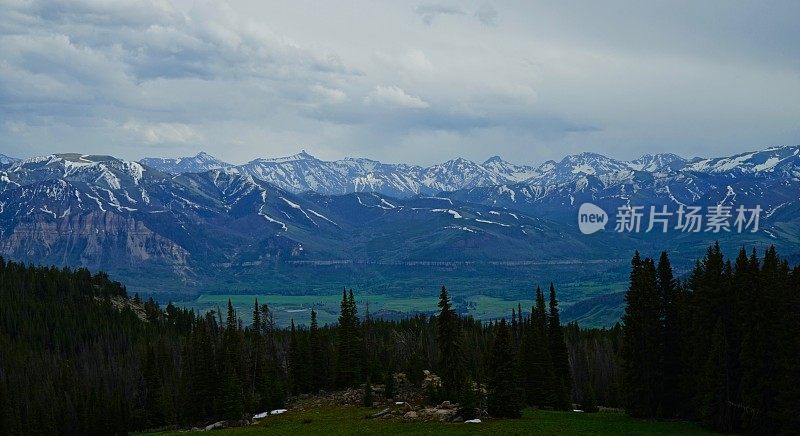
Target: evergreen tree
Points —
{"points": [[641, 330], [349, 351], [514, 327], [670, 352], [558, 353], [449, 340], [296, 361], [713, 340], [504, 396], [344, 375], [273, 388], [759, 355], [357, 352], [232, 397], [368, 396], [232, 406], [257, 371], [537, 374], [468, 403], [589, 403], [152, 391], [316, 363], [390, 387]]}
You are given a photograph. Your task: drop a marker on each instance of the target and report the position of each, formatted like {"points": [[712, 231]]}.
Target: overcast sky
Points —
{"points": [[418, 81]]}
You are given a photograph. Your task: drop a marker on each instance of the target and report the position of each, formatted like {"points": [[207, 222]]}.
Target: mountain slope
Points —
{"points": [[7, 160], [195, 231], [195, 164]]}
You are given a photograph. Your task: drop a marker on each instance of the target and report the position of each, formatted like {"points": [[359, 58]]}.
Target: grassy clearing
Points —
{"points": [[352, 420]]}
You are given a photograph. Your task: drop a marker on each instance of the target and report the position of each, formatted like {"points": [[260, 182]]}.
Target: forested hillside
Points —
{"points": [[78, 356]]}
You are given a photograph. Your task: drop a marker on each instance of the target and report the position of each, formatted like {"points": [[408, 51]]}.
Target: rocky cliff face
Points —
{"points": [[96, 240]]}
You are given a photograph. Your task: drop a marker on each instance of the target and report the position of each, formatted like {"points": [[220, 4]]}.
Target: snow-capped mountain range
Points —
{"points": [[191, 220], [303, 172]]}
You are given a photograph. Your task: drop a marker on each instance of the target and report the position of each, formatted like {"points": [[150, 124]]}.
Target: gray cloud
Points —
{"points": [[410, 81], [487, 14], [429, 11]]}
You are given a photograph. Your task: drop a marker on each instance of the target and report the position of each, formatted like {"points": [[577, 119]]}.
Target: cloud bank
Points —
{"points": [[397, 81]]}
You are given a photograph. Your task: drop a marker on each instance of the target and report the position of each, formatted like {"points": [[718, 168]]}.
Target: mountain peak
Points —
{"points": [[200, 162], [656, 162], [5, 160], [459, 160], [590, 155], [494, 159], [303, 155], [671, 156]]}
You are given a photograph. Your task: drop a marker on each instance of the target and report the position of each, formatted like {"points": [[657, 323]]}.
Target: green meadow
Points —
{"points": [[349, 420]]}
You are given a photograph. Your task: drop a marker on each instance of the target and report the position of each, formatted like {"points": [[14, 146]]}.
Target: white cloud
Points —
{"points": [[331, 95], [394, 96], [162, 133]]}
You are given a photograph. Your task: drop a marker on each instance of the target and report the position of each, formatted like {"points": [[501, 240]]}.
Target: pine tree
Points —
{"points": [[558, 353], [204, 377], [152, 391], [514, 327], [348, 346], [468, 403], [641, 335], [368, 397], [589, 403], [297, 359], [357, 341], [504, 396], [670, 352], [450, 354], [789, 395], [232, 406], [760, 348], [717, 412], [257, 357], [317, 364], [273, 389], [390, 387], [344, 375], [537, 374]]}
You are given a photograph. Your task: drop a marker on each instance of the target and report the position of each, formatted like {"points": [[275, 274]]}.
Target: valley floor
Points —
{"points": [[354, 420]]}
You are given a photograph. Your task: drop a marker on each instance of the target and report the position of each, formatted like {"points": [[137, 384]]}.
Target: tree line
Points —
{"points": [[720, 347], [78, 356]]}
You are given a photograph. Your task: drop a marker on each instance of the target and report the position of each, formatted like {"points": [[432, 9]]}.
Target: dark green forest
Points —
{"points": [[79, 356], [720, 348]]}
